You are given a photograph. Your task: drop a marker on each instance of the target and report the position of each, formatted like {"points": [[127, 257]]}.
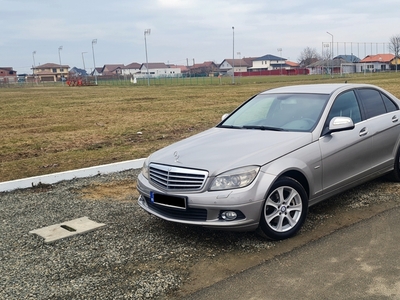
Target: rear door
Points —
{"points": [[383, 125]]}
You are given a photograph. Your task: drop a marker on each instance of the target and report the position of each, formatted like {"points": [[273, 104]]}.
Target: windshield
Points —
{"points": [[288, 112]]}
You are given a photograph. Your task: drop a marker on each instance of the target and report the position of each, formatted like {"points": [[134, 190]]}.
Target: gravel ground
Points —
{"points": [[135, 256]]}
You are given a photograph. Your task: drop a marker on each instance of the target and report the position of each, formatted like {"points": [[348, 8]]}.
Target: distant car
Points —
{"points": [[278, 153]]}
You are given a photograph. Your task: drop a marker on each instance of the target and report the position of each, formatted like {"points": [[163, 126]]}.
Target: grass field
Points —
{"points": [[57, 128]]}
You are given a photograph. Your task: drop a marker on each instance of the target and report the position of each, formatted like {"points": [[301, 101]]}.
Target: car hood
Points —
{"points": [[220, 149]]}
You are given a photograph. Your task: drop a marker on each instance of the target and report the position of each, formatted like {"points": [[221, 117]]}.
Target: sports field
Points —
{"points": [[48, 129]]}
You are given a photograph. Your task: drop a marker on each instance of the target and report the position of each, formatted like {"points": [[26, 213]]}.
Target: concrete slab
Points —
{"points": [[67, 229]]}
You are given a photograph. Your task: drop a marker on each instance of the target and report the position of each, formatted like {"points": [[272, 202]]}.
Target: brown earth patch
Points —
{"points": [[124, 190]]}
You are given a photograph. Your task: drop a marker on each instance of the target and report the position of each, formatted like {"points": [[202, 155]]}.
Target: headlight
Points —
{"points": [[234, 179], [145, 168]]}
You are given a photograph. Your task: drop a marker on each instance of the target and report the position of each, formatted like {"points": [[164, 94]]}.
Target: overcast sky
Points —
{"points": [[187, 30]]}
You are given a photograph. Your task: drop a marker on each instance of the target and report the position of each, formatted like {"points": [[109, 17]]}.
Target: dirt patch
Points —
{"points": [[124, 190]]}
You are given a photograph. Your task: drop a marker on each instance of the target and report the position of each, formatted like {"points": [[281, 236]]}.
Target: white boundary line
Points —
{"points": [[68, 175]]}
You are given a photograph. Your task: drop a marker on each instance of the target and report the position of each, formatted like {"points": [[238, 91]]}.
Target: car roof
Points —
{"points": [[315, 88]]}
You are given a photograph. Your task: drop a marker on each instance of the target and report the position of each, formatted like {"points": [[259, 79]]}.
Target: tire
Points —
{"points": [[284, 210], [395, 174]]}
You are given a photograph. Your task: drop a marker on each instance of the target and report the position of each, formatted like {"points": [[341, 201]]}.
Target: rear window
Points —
{"points": [[372, 102], [390, 106]]}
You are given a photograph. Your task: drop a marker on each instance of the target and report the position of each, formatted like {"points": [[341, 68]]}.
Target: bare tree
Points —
{"points": [[308, 56], [394, 46]]}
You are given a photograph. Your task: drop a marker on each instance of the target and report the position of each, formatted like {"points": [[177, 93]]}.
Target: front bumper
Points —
{"points": [[204, 207]]}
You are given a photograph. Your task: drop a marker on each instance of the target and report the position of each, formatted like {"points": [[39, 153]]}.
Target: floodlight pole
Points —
{"points": [[83, 60], [94, 41], [59, 57], [240, 64], [325, 45], [280, 50], [147, 32], [233, 54], [331, 53], [33, 69], [34, 65]]}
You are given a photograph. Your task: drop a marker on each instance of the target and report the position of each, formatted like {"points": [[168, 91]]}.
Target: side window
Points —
{"points": [[345, 105], [390, 106], [372, 102]]}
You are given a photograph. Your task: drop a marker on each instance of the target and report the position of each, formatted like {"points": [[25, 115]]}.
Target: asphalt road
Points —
{"points": [[358, 262]]}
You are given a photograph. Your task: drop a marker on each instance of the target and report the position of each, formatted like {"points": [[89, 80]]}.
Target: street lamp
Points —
{"points": [[233, 54], [94, 41], [147, 32], [331, 53], [280, 50], [61, 69], [83, 60]]}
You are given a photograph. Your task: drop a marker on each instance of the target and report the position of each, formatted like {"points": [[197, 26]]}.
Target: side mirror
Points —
{"points": [[340, 124], [224, 116]]}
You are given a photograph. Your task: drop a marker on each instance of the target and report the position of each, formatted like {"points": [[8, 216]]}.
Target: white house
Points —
{"points": [[159, 70], [268, 62], [227, 65]]}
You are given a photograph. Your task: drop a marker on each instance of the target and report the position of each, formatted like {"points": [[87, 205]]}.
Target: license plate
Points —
{"points": [[166, 200]]}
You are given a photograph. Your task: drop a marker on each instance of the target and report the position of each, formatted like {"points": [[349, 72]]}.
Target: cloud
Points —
{"points": [[180, 29]]}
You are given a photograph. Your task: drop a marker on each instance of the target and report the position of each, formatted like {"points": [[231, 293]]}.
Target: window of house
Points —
{"points": [[54, 70]]}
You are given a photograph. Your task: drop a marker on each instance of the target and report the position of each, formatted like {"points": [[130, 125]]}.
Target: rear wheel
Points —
{"points": [[284, 210], [395, 174]]}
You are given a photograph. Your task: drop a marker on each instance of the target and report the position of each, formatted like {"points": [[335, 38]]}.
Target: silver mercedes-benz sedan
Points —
{"points": [[278, 153]]}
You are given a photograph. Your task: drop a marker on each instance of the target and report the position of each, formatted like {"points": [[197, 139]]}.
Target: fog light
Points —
{"points": [[228, 215]]}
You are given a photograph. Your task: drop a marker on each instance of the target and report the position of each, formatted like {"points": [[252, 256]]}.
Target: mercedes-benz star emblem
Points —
{"points": [[176, 155]]}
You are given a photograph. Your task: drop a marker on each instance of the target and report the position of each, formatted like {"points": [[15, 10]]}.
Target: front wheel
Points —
{"points": [[284, 210]]}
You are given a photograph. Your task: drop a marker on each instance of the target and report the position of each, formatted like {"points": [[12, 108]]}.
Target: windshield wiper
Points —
{"points": [[263, 127], [230, 126]]}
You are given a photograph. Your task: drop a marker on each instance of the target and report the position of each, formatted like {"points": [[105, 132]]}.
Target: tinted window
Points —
{"points": [[372, 102], [345, 105], [390, 106]]}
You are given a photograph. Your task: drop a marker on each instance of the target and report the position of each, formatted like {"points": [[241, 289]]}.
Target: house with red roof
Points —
{"points": [[375, 63], [7, 75], [207, 68]]}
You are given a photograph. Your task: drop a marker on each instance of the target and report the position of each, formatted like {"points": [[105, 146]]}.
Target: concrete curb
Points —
{"points": [[68, 175]]}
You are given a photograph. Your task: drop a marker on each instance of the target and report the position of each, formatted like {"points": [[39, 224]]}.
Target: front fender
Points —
{"points": [[306, 160]]}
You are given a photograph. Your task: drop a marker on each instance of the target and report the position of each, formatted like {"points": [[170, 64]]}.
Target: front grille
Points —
{"points": [[174, 178], [189, 214]]}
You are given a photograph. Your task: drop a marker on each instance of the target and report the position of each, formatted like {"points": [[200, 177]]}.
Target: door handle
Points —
{"points": [[394, 119], [363, 131]]}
